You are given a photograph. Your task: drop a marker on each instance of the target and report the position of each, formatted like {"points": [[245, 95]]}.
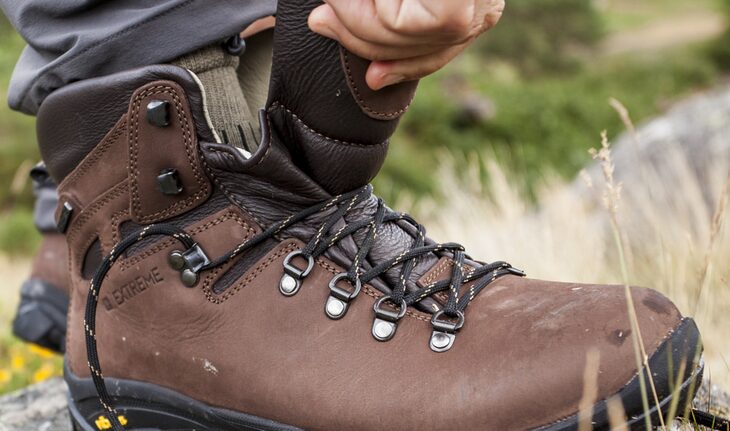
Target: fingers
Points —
{"points": [[449, 20], [383, 73], [393, 22], [406, 39], [324, 21]]}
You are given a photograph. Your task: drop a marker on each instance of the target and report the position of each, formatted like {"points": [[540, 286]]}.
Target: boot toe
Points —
{"points": [[547, 330]]}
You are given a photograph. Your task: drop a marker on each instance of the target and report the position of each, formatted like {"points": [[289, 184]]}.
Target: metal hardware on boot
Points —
{"points": [[339, 298], [189, 263], [39, 173], [65, 218], [444, 331], [235, 45], [169, 182], [158, 113], [189, 278], [176, 260], [291, 281], [386, 321]]}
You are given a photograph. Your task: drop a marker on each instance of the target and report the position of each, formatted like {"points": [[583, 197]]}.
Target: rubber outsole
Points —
{"points": [[41, 315], [144, 406]]}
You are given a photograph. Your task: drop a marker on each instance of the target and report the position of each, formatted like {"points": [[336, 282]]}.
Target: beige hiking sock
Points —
{"points": [[228, 110], [254, 72]]}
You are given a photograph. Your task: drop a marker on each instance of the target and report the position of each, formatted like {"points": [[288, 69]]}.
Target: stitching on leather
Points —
{"points": [[134, 169], [361, 101], [116, 224], [248, 278], [229, 214], [443, 266], [95, 206], [440, 269], [278, 104], [79, 256], [69, 328], [95, 155]]}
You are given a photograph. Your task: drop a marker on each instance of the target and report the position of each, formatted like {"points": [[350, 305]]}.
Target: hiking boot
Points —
{"points": [[217, 289], [41, 314]]}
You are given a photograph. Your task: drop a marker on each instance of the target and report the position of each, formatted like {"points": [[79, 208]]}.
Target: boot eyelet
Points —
{"points": [[188, 263], [291, 281], [386, 321], [444, 331], [339, 298]]}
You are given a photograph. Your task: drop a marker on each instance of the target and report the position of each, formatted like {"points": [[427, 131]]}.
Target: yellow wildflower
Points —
{"points": [[5, 376], [42, 351], [43, 373], [17, 362]]}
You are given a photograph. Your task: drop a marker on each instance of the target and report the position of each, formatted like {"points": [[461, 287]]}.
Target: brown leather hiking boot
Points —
{"points": [[212, 290], [41, 314]]}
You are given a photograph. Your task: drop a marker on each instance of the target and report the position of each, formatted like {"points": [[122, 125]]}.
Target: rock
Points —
{"points": [[42, 407], [690, 143]]}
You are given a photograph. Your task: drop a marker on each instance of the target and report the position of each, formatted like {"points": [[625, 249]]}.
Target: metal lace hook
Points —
{"points": [[444, 331], [386, 321], [291, 281], [339, 298]]}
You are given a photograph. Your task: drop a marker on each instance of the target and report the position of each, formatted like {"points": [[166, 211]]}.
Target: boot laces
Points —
{"points": [[389, 309]]}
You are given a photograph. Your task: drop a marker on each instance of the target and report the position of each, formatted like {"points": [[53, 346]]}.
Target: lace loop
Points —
{"points": [[339, 298], [386, 321], [291, 281]]}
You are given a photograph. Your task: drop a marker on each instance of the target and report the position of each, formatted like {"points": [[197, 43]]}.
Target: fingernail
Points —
{"points": [[392, 79]]}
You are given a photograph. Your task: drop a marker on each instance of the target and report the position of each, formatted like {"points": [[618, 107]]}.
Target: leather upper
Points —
{"points": [[248, 348]]}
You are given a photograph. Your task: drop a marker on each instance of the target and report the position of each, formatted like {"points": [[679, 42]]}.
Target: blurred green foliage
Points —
{"points": [[720, 49], [539, 126], [18, 234], [17, 151], [542, 72], [543, 36]]}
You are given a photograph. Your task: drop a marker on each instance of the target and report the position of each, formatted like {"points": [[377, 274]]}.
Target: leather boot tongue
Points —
{"points": [[320, 108]]}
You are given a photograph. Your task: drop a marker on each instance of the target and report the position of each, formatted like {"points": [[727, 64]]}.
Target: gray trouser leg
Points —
{"points": [[71, 40]]}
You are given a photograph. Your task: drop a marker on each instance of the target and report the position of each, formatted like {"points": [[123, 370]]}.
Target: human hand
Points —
{"points": [[405, 39]]}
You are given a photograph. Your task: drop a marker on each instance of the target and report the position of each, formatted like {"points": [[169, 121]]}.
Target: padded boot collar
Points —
{"points": [[74, 119]]}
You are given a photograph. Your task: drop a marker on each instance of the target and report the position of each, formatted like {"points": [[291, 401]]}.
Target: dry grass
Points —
{"points": [[673, 239]]}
